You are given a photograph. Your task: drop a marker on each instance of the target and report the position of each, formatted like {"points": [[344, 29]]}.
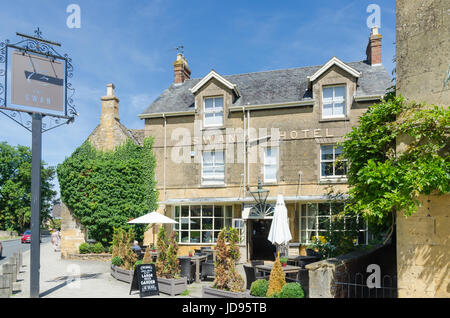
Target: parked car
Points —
{"points": [[26, 237]]}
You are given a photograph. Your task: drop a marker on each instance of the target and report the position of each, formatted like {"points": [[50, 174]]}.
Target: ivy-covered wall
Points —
{"points": [[107, 189]]}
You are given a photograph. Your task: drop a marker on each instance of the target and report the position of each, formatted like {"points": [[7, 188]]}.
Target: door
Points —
{"points": [[261, 248]]}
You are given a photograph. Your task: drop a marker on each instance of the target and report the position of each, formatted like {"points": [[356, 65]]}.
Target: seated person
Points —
{"points": [[135, 247]]}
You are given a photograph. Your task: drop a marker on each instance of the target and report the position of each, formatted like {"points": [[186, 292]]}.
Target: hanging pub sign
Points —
{"points": [[145, 280], [37, 81]]}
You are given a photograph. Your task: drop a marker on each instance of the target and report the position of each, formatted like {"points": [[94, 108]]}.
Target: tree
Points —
{"points": [[107, 189], [15, 188], [383, 180]]}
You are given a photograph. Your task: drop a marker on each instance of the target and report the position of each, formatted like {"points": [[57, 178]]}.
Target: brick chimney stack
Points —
{"points": [[181, 69], [110, 106], [373, 50]]}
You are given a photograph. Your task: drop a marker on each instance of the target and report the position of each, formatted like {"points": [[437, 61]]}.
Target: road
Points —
{"points": [[10, 247]]}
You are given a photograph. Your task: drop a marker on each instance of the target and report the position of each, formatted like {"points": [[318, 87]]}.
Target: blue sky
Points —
{"points": [[131, 44]]}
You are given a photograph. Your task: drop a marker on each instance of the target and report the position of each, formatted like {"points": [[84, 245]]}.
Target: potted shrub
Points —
{"points": [[227, 282], [167, 265], [259, 288], [283, 261], [277, 279], [190, 253], [121, 249]]}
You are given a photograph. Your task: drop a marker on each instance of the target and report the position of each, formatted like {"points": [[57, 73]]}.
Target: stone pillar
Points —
{"points": [[72, 232], [5, 286]]}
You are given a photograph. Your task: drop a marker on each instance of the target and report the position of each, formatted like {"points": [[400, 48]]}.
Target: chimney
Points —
{"points": [[373, 50], [110, 107], [181, 69]]}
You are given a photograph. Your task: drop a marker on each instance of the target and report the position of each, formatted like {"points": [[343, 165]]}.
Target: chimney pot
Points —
{"points": [[110, 89]]}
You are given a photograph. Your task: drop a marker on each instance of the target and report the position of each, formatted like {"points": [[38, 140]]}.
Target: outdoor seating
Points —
{"points": [[207, 270], [251, 276], [302, 278], [210, 258], [198, 252], [187, 269]]}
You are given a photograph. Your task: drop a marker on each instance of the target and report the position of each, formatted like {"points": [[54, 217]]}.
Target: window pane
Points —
{"points": [[195, 224], [229, 211], [207, 237], [207, 223], [304, 206], [209, 119], [228, 222], [327, 152], [311, 223], [184, 236], [177, 211], [195, 210], [219, 157], [218, 224], [339, 92], [209, 103], [302, 223], [324, 209], [207, 210], [270, 173], [327, 93], [327, 110], [184, 223], [195, 236], [341, 168], [185, 210], [218, 211], [337, 207], [339, 109], [219, 101], [303, 237], [216, 234], [327, 169], [218, 118], [324, 223]]}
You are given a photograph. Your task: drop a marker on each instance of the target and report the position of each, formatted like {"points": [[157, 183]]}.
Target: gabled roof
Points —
{"points": [[334, 61], [222, 80], [269, 87]]}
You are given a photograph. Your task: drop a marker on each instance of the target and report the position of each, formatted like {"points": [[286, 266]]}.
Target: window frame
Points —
{"points": [[276, 164], [213, 112], [214, 166], [333, 101], [334, 176], [201, 217]]}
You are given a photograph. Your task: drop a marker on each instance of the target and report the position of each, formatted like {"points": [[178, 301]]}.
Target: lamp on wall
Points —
{"points": [[260, 196]]}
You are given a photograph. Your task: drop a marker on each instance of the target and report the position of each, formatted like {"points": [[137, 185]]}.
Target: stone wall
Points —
{"points": [[72, 232], [423, 75]]}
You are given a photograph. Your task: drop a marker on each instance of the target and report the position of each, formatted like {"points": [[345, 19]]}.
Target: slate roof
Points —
{"points": [[269, 87]]}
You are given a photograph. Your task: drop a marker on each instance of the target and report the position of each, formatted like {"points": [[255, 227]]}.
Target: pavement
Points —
{"points": [[61, 278]]}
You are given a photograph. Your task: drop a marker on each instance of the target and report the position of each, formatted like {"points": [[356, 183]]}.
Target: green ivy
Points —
{"points": [[383, 180], [107, 189]]}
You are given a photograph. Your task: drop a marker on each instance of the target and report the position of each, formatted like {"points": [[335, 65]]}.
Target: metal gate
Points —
{"points": [[355, 286]]}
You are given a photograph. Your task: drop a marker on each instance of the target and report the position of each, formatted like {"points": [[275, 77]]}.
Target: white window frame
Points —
{"points": [[316, 230], [334, 176], [213, 111], [266, 180], [213, 181], [201, 217], [335, 101]]}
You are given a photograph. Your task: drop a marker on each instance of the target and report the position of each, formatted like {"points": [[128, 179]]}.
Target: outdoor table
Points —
{"points": [[288, 269], [197, 259], [210, 251], [303, 260]]}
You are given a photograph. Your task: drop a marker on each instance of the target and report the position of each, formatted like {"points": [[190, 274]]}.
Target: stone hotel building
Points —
{"points": [[216, 136]]}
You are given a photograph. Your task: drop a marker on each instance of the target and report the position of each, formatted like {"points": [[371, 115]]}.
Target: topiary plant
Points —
{"points": [[122, 242], [291, 290], [226, 276], [147, 259], [277, 280], [259, 288], [161, 242]]}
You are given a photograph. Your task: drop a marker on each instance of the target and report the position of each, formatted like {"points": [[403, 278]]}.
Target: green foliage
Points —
{"points": [[15, 188], [383, 180], [107, 189], [116, 261], [277, 279], [84, 248], [259, 288], [283, 260], [98, 248], [185, 293], [138, 262], [291, 290]]}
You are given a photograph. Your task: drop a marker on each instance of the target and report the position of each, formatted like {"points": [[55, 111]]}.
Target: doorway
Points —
{"points": [[260, 247]]}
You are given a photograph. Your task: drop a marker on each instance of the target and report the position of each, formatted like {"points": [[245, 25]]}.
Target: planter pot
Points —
{"points": [[210, 292], [172, 286], [121, 274], [283, 264]]}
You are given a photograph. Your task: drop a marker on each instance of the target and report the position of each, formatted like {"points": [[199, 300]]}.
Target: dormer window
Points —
{"points": [[334, 101], [213, 111]]}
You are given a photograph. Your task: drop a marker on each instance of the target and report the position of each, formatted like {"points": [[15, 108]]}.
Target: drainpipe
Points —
{"points": [[245, 147], [248, 136], [165, 154]]}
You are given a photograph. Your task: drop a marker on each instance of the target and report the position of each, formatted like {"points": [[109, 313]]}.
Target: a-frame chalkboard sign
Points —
{"points": [[145, 280]]}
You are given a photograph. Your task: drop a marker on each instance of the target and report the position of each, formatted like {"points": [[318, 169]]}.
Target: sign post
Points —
{"points": [[39, 79]]}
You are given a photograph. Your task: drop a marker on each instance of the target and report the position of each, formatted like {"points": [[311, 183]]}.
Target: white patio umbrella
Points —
{"points": [[279, 233], [153, 218]]}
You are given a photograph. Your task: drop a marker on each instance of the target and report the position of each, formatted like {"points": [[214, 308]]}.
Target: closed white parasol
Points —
{"points": [[279, 230]]}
